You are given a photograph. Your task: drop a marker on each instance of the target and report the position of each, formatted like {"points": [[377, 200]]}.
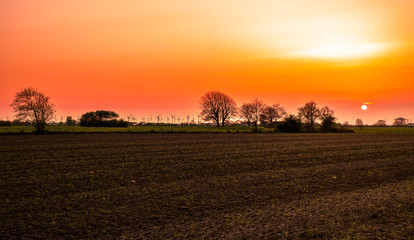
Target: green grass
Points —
{"points": [[397, 130], [207, 186], [176, 128], [135, 129]]}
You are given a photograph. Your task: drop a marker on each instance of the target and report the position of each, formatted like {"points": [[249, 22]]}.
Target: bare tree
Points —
{"points": [[228, 108], [257, 109], [246, 112], [359, 122], [271, 114], [252, 111], [216, 106], [34, 106], [310, 112]]}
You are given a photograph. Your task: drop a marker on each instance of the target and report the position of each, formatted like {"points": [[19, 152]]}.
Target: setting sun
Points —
{"points": [[159, 57], [234, 119]]}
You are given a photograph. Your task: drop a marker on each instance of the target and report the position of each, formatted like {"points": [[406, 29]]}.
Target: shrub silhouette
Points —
{"points": [[102, 118], [291, 124]]}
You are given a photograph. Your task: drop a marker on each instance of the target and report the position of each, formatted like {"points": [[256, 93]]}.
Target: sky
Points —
{"points": [[153, 57]]}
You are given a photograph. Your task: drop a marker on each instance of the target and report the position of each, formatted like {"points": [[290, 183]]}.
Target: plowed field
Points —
{"points": [[224, 185]]}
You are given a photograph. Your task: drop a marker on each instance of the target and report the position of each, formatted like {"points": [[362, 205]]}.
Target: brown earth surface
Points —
{"points": [[207, 186]]}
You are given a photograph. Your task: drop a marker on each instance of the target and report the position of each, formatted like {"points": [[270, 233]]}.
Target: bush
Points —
{"points": [[5, 124], [291, 124], [21, 123], [109, 123], [102, 119]]}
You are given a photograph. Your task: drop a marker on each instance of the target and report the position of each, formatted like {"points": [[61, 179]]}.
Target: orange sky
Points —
{"points": [[159, 57]]}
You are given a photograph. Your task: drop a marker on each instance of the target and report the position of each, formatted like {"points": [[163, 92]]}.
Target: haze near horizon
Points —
{"points": [[159, 57]]}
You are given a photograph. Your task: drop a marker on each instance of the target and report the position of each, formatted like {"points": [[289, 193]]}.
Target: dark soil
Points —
{"points": [[211, 186]]}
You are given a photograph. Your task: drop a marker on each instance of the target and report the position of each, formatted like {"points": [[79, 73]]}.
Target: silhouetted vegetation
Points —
{"points": [[34, 109], [217, 107], [359, 122], [328, 119], [70, 121], [310, 113], [291, 123], [30, 104], [252, 112], [5, 123], [270, 115], [102, 118], [399, 122], [381, 123]]}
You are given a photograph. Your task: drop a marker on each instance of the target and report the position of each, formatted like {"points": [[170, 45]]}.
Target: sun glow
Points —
{"points": [[343, 50]]}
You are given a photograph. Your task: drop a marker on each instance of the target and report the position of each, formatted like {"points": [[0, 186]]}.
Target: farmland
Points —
{"points": [[207, 185], [131, 129], [181, 129]]}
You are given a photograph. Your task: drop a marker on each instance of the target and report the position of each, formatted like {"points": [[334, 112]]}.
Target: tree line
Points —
{"points": [[219, 108], [33, 107]]}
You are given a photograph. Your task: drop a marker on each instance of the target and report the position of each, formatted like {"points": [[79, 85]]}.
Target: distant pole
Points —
{"points": [[172, 118]]}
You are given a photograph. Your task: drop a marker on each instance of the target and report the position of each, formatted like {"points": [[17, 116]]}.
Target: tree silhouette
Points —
{"points": [[310, 112], [252, 111], [228, 108], [381, 123], [70, 121], [291, 123], [359, 122], [399, 122], [246, 112], [102, 118], [216, 106], [32, 105], [328, 119], [271, 114], [104, 115]]}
